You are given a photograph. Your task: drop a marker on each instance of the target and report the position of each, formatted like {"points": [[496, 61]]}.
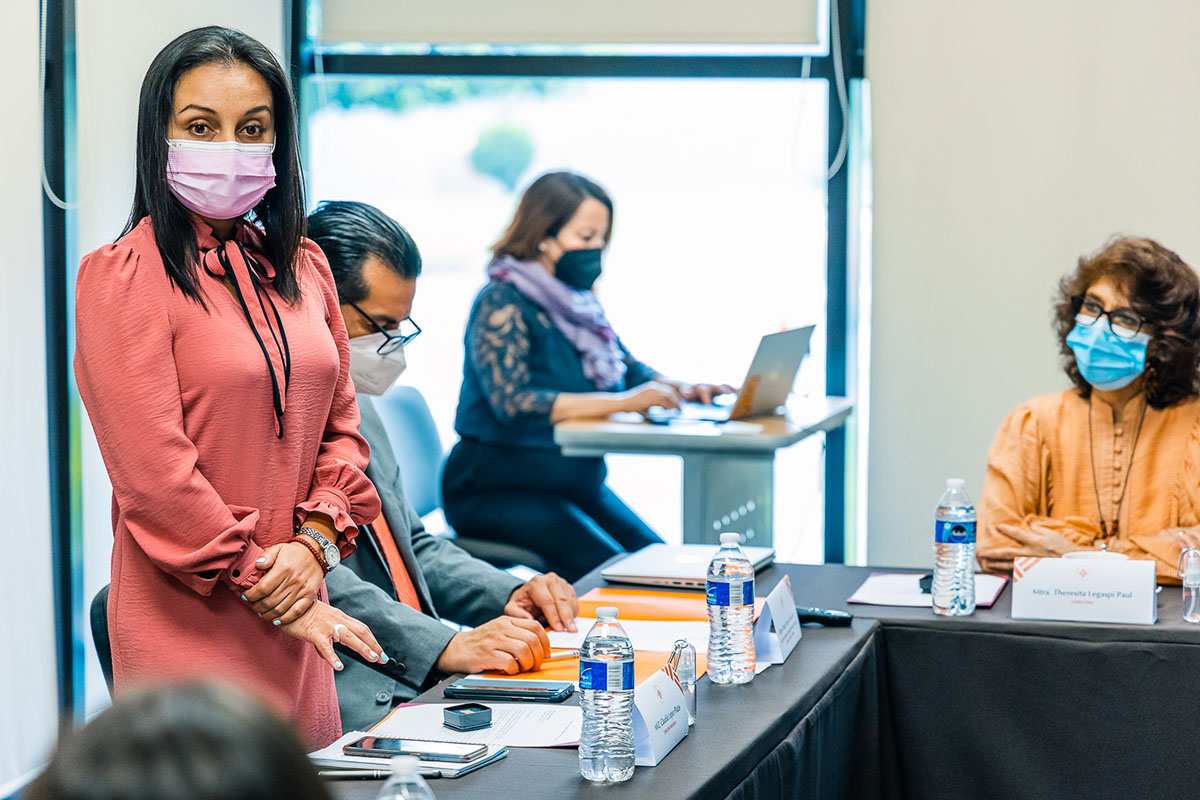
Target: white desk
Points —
{"points": [[728, 468]]}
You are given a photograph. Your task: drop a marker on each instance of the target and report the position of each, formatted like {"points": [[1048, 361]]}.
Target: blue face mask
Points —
{"points": [[1105, 360]]}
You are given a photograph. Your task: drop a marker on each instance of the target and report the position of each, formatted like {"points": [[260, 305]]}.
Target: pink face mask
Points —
{"points": [[219, 180]]}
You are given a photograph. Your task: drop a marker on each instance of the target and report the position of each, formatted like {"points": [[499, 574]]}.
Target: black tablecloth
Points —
{"points": [[990, 707], [907, 705], [791, 732]]}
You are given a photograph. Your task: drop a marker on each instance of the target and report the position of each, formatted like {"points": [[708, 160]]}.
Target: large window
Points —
{"points": [[720, 229]]}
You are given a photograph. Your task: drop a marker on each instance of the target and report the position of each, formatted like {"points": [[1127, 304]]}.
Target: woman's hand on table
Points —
{"points": [[292, 577], [648, 395], [1181, 537], [321, 625], [703, 392], [507, 644], [1036, 540]]}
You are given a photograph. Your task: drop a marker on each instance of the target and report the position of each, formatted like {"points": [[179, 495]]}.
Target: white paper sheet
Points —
{"points": [[513, 724], [885, 589], [649, 635]]}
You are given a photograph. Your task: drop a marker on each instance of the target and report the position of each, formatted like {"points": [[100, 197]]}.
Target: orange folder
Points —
{"points": [[645, 664], [643, 604], [651, 605]]}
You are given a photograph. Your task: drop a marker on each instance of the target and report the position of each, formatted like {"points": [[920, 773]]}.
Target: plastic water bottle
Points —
{"points": [[1189, 573], [606, 696], [954, 552], [406, 782], [730, 589]]}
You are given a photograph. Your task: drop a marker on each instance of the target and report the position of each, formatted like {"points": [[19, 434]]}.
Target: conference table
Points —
{"points": [[905, 704]]}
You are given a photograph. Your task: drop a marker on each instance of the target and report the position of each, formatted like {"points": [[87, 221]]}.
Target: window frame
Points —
{"points": [[302, 59]]}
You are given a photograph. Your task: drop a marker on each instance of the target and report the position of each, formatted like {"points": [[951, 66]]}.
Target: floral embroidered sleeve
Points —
{"points": [[499, 345]]}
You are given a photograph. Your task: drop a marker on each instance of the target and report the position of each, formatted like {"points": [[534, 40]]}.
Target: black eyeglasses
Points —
{"points": [[1121, 321], [393, 341]]}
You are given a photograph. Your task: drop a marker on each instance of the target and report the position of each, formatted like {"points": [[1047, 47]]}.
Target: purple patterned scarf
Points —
{"points": [[576, 314]]}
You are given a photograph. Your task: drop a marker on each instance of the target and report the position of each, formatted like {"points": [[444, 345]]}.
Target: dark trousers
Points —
{"points": [[552, 504]]}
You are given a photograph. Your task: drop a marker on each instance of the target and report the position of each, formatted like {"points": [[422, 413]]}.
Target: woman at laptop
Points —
{"points": [[540, 350], [1112, 463]]}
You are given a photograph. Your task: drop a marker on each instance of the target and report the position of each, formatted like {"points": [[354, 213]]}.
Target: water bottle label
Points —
{"points": [[730, 593], [946, 532], [604, 676]]}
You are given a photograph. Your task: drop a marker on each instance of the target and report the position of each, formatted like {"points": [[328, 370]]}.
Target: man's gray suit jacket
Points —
{"points": [[449, 582]]}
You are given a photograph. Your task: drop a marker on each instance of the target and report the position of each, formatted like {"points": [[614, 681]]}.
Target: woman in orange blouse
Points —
{"points": [[1114, 462]]}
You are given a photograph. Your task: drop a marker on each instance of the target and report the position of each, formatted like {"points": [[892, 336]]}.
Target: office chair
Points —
{"points": [[418, 450], [99, 620]]}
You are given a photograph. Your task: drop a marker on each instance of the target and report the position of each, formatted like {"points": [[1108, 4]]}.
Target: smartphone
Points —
{"points": [[380, 747], [488, 689]]}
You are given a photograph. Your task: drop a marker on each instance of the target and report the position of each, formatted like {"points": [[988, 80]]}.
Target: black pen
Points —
{"points": [[355, 774], [368, 774]]}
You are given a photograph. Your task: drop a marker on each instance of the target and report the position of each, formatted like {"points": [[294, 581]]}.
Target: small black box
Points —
{"points": [[467, 716]]}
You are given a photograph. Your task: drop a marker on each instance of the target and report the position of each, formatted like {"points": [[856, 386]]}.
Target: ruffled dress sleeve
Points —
{"points": [[340, 488], [126, 373]]}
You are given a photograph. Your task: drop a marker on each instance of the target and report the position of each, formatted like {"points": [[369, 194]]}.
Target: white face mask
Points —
{"points": [[371, 372]]}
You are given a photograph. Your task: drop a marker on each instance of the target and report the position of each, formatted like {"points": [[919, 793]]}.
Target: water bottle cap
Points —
{"points": [[606, 612], [731, 538], [1189, 567], [955, 483], [405, 764]]}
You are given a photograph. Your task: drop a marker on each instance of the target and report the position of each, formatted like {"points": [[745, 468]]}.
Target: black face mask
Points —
{"points": [[579, 269]]}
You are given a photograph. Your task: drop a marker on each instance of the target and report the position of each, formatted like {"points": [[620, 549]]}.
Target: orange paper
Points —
{"points": [[651, 605], [645, 664]]}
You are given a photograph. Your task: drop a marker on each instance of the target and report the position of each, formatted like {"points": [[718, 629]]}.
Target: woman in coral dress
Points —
{"points": [[213, 363]]}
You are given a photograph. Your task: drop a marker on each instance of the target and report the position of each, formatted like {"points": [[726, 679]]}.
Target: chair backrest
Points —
{"points": [[99, 620], [415, 441]]}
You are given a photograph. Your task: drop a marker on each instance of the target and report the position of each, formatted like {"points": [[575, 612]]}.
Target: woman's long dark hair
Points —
{"points": [[547, 205], [281, 212]]}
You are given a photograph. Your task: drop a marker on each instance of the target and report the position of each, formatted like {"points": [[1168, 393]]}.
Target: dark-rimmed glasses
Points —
{"points": [[392, 341], [1121, 321]]}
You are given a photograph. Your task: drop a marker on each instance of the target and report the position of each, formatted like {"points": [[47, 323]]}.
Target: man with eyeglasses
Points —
{"points": [[401, 579]]}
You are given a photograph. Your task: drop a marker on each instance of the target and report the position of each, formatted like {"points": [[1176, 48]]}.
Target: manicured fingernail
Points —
{"points": [[276, 622], [337, 665], [373, 654], [383, 658], [244, 598], [262, 560]]}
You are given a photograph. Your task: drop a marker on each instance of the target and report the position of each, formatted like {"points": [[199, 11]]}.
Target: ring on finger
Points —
{"points": [[337, 631]]}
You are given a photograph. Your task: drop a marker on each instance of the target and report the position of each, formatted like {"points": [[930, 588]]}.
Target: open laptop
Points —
{"points": [[767, 384], [685, 566]]}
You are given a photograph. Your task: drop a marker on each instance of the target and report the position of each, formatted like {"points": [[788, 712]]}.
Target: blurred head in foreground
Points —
{"points": [[189, 742]]}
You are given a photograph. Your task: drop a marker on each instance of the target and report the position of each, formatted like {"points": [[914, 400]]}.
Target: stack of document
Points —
{"points": [[513, 725], [332, 757]]}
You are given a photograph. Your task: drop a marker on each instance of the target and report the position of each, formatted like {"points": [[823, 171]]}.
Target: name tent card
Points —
{"points": [[774, 646], [660, 719], [1084, 590]]}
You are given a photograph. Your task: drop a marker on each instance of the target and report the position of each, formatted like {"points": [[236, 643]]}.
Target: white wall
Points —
{"points": [[116, 41], [28, 701], [1009, 139]]}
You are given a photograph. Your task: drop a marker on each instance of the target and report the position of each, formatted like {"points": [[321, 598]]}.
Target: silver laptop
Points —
{"points": [[767, 386], [684, 566]]}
